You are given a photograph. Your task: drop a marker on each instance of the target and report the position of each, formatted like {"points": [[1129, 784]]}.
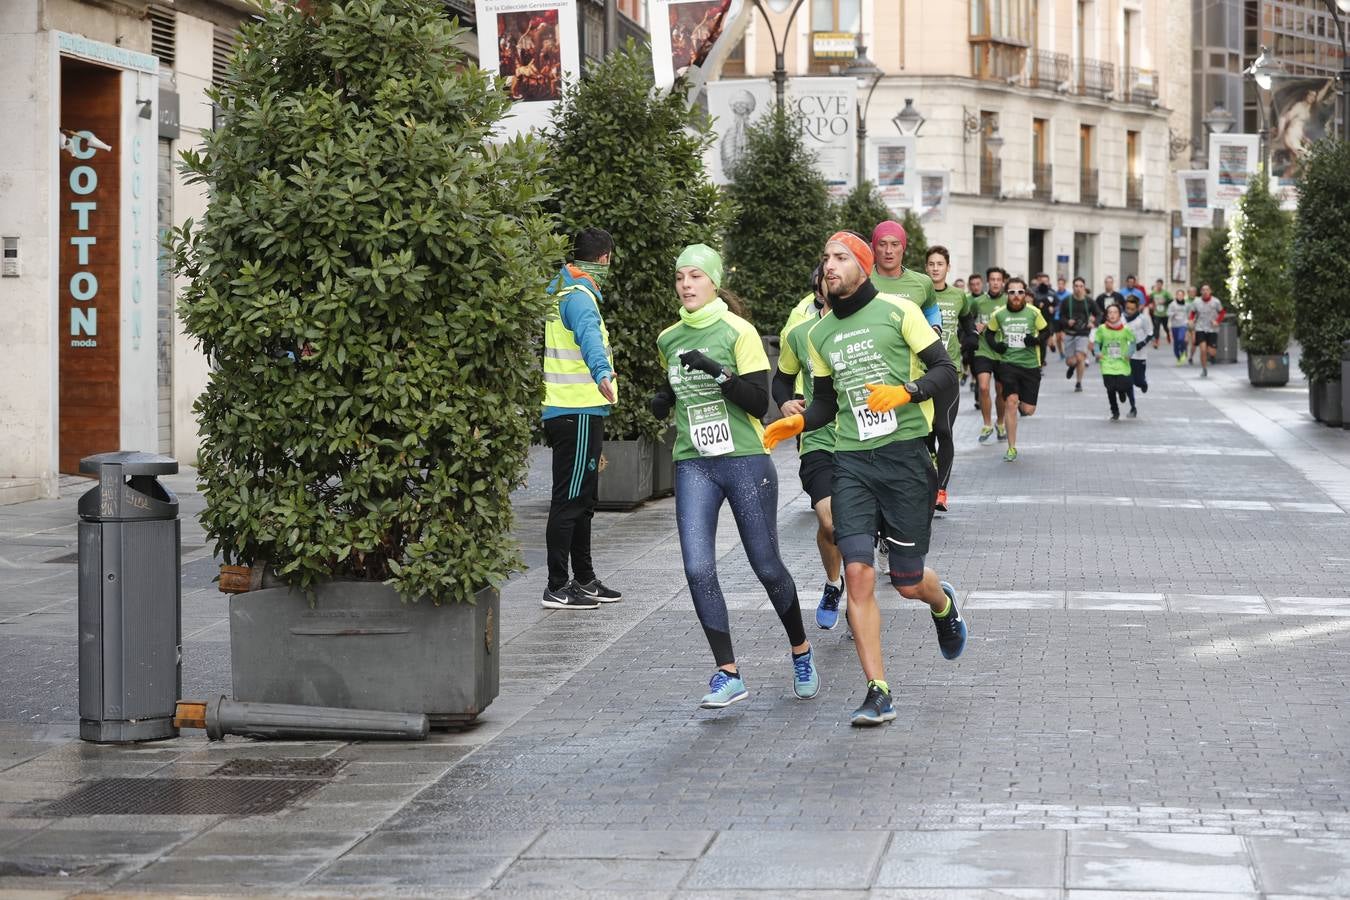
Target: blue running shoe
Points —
{"points": [[805, 678], [723, 690], [951, 628], [876, 707], [827, 613]]}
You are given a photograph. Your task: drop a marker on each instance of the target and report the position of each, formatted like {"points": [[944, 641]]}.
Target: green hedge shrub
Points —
{"points": [[365, 269], [1258, 283], [1320, 259]]}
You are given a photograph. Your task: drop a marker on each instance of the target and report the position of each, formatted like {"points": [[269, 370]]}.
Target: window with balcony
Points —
{"points": [[834, 25], [1134, 180], [1042, 173], [1001, 31], [991, 172], [1087, 166]]}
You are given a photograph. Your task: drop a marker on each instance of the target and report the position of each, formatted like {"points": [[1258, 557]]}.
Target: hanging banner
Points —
{"points": [[935, 187], [734, 106], [1233, 159], [827, 110], [890, 166], [1193, 187], [691, 38], [535, 46], [1301, 112]]}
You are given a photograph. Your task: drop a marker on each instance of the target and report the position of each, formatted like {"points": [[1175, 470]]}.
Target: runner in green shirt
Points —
{"points": [[1158, 299], [867, 360], [889, 241], [718, 386], [986, 359], [1014, 332], [958, 314], [1114, 343], [792, 393]]}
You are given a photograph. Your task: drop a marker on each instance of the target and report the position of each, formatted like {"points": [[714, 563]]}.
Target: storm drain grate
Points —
{"points": [[281, 768], [180, 797]]}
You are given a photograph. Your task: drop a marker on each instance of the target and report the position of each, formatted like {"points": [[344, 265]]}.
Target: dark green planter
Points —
{"points": [[1268, 369], [1315, 400], [1332, 413], [360, 647], [626, 478], [663, 466]]}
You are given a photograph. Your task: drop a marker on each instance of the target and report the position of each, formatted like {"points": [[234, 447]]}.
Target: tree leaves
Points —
{"points": [[1258, 253], [1319, 264]]}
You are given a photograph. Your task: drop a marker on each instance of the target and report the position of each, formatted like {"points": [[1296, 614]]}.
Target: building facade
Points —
{"points": [[1053, 118]]}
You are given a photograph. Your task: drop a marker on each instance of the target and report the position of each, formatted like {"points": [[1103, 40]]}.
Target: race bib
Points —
{"points": [[1017, 341], [710, 429], [870, 424], [1113, 351]]}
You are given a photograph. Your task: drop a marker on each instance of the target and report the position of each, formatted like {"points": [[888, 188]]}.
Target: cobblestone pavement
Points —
{"points": [[1152, 703]]}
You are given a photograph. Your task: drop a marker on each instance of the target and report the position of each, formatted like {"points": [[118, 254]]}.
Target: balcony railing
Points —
{"points": [[1139, 86], [996, 60], [1096, 78], [991, 178], [1134, 192], [1087, 186], [1048, 70], [1043, 180]]}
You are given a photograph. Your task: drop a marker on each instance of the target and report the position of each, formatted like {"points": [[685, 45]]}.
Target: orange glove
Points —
{"points": [[784, 428], [886, 397]]}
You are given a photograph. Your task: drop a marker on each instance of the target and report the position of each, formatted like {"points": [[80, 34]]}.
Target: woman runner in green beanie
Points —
{"points": [[718, 386]]}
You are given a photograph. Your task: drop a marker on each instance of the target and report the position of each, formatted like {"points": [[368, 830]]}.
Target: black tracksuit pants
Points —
{"points": [[576, 444]]}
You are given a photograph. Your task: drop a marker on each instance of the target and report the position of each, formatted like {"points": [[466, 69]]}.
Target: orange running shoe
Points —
{"points": [[941, 505]]}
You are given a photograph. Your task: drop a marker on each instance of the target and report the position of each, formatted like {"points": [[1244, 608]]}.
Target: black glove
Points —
{"points": [[694, 359], [1141, 345], [1000, 346], [660, 404]]}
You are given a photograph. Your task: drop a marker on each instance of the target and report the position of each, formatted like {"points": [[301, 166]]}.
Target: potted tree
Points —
{"points": [[629, 158], [1258, 251], [1320, 273], [365, 267]]}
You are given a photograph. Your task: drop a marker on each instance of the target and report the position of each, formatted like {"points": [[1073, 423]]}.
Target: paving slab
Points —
{"points": [[1154, 874], [777, 860], [570, 843], [374, 875], [974, 859], [1319, 868]]}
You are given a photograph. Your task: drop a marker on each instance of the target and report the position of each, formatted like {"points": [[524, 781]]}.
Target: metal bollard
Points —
{"points": [[275, 721], [130, 599]]}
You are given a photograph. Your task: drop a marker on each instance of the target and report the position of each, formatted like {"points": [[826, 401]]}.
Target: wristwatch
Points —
{"points": [[723, 376], [913, 388]]}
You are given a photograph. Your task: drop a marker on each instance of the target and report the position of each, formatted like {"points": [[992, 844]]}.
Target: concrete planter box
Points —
{"points": [[1315, 400], [626, 479], [360, 647], [1268, 370], [663, 466], [1332, 413]]}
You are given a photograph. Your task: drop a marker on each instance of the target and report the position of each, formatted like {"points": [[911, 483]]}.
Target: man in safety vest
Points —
{"points": [[579, 388]]}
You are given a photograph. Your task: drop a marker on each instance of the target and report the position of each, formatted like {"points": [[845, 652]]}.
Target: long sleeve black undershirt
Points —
{"points": [[941, 377], [783, 387]]}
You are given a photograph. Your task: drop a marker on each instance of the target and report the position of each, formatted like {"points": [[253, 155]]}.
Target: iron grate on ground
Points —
{"points": [[180, 797], [281, 768]]}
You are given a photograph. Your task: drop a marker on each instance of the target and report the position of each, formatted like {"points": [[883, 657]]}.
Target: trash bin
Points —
{"points": [[1228, 343], [130, 600]]}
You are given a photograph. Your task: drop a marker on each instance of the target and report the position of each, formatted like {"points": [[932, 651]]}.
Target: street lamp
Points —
{"points": [[909, 120], [1262, 70], [779, 47], [1218, 120], [868, 76], [1336, 8]]}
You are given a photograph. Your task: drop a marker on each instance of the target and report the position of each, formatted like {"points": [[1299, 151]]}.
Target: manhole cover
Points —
{"points": [[281, 768], [180, 797]]}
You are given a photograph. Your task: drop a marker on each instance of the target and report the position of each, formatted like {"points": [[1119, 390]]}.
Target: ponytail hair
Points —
{"points": [[734, 302]]}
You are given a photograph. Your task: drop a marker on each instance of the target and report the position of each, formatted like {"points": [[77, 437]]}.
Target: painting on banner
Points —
{"points": [[935, 186], [890, 163], [1233, 160], [1301, 111], [734, 106], [1193, 185], [690, 38], [533, 45]]}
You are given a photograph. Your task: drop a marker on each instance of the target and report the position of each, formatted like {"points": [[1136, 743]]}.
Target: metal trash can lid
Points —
{"points": [[133, 462]]}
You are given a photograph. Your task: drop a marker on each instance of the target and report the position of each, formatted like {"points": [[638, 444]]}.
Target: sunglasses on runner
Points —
{"points": [[1017, 293]]}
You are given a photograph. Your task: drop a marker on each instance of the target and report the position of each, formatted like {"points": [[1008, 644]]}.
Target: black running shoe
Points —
{"points": [[1078, 388], [1068, 373], [1133, 413], [951, 628], [567, 597], [876, 707], [594, 590]]}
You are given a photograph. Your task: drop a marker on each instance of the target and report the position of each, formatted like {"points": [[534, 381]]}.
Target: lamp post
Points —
{"points": [[1262, 71], [779, 47], [1217, 121], [1336, 8], [909, 120], [868, 76]]}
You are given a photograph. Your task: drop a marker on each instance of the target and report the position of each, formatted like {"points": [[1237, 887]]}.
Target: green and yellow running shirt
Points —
{"points": [[985, 307], [1017, 330], [954, 304], [878, 344], [908, 285], [794, 358], [705, 423], [1114, 346]]}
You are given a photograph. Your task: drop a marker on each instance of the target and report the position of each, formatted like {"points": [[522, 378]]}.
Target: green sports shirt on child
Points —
{"points": [[794, 359], [706, 424], [1114, 346], [878, 344]]}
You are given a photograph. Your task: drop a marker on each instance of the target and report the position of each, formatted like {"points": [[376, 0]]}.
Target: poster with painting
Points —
{"points": [[1193, 185], [1233, 159], [534, 46], [1301, 112], [690, 38]]}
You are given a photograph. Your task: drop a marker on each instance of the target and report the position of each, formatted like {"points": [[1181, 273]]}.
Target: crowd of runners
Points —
{"points": [[868, 382]]}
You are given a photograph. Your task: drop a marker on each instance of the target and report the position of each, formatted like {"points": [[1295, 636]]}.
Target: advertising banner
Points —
{"points": [[1193, 187], [1233, 159], [890, 166], [690, 38], [734, 106], [1301, 112], [534, 45], [935, 186]]}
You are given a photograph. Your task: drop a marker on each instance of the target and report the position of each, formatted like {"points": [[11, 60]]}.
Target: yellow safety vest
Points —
{"points": [[567, 378]]}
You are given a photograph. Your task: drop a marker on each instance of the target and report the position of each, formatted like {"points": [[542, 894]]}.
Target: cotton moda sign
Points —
{"points": [[1233, 159], [535, 46]]}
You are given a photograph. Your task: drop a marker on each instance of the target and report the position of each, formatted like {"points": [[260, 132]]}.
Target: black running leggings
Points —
{"points": [[945, 407]]}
